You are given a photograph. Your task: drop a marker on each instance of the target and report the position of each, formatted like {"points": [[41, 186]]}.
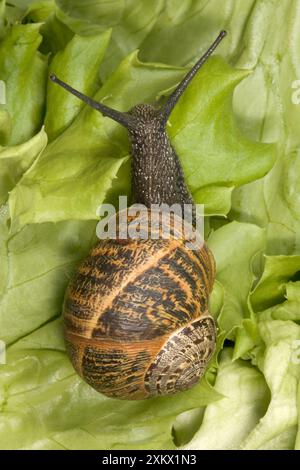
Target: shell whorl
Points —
{"points": [[182, 360]]}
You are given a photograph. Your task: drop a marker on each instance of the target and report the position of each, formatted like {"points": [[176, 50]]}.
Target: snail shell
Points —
{"points": [[136, 316]]}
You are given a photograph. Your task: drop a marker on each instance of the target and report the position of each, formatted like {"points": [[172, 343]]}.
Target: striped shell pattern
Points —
{"points": [[136, 317]]}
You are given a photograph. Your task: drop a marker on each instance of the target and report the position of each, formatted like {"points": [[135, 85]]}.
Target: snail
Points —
{"points": [[136, 318]]}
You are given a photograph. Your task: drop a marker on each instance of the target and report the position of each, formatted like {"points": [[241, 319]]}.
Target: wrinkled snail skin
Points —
{"points": [[157, 176], [136, 314]]}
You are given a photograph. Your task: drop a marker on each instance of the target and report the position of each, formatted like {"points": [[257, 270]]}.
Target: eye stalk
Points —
{"points": [[174, 97], [125, 118], [122, 118]]}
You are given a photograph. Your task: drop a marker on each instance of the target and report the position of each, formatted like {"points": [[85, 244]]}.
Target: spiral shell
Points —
{"points": [[136, 316]]}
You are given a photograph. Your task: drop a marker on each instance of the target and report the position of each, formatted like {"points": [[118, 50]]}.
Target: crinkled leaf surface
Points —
{"points": [[168, 31], [42, 395], [278, 427], [274, 115], [234, 247], [24, 70], [204, 116], [81, 53], [76, 170], [246, 398], [15, 160], [131, 22], [37, 263], [270, 289], [87, 156], [43, 403], [56, 34], [289, 310]]}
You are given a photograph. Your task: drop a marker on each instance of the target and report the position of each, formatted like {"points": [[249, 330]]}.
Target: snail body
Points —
{"points": [[136, 316]]}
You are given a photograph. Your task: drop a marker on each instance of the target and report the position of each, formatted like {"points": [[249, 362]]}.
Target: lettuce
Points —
{"points": [[92, 148], [79, 54], [246, 398], [16, 159], [236, 130], [45, 405], [24, 70]]}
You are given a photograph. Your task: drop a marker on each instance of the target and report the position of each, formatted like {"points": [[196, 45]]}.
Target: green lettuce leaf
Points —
{"points": [[80, 54], [224, 129], [56, 34], [234, 246], [246, 398], [36, 265], [167, 31], [24, 71], [45, 405], [289, 310], [92, 145], [278, 427], [15, 160], [10, 13], [131, 22], [216, 156], [271, 287], [265, 413], [88, 155], [273, 115]]}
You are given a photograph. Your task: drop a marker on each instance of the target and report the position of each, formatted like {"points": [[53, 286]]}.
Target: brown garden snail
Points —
{"points": [[136, 312]]}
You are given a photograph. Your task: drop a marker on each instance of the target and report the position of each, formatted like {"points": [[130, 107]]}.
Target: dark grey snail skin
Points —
{"points": [[157, 175], [152, 181]]}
